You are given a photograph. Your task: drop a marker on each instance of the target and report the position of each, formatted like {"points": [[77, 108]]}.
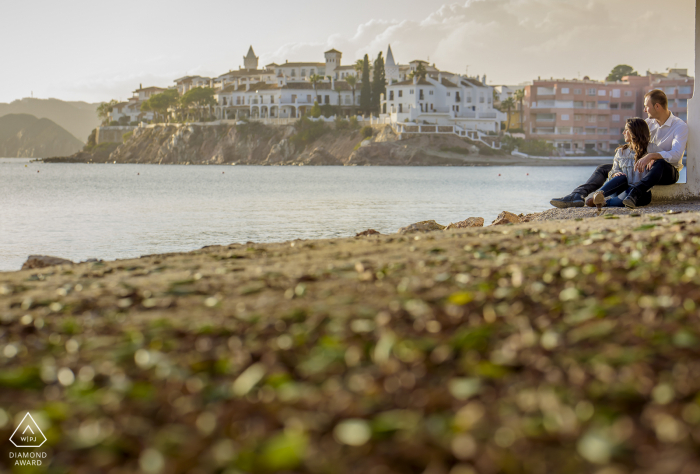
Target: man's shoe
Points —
{"points": [[631, 200], [598, 199], [572, 200]]}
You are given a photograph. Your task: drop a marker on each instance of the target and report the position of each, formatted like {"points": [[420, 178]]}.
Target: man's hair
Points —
{"points": [[657, 96]]}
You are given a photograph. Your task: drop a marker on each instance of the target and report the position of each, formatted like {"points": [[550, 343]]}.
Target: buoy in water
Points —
{"points": [[499, 174], [37, 171]]}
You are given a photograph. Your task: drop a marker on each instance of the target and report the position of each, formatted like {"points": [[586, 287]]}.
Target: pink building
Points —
{"points": [[580, 116]]}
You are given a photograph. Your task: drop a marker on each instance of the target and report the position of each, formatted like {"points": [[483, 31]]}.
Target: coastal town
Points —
{"points": [[573, 116]]}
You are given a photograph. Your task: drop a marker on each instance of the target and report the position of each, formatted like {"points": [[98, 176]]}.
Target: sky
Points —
{"points": [[97, 51]]}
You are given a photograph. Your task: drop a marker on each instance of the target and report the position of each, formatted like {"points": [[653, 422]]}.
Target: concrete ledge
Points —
{"points": [[674, 192]]}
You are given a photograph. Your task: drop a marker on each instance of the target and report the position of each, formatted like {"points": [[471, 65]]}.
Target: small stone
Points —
{"points": [[367, 232], [423, 226], [42, 261], [506, 217], [470, 222]]}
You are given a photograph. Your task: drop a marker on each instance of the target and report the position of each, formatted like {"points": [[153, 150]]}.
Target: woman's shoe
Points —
{"points": [[598, 199]]}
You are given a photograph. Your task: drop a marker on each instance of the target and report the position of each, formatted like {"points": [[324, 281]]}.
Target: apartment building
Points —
{"points": [[584, 115]]}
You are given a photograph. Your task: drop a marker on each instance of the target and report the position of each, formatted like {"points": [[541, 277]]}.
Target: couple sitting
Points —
{"points": [[652, 155]]}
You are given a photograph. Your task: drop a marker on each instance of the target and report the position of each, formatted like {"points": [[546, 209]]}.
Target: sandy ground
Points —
{"points": [[561, 346]]}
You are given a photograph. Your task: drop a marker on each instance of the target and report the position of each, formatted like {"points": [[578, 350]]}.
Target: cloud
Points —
{"points": [[518, 40]]}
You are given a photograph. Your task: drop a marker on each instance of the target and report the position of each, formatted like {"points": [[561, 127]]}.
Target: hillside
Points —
{"points": [[25, 136], [78, 118]]}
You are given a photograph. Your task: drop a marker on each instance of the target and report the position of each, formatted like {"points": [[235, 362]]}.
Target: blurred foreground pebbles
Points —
{"points": [[538, 347]]}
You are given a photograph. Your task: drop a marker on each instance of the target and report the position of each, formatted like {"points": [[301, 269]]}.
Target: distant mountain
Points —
{"points": [[25, 136], [79, 118]]}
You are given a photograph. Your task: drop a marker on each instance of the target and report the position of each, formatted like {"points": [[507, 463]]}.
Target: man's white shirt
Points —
{"points": [[671, 137]]}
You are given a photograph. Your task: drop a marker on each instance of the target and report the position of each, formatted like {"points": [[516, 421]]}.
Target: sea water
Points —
{"points": [[114, 211]]}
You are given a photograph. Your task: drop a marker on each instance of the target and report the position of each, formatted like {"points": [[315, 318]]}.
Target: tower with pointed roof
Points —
{"points": [[391, 69], [250, 61]]}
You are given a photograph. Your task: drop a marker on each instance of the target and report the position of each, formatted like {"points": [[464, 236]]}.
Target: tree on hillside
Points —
{"points": [[508, 105], [198, 98], [378, 83], [519, 95], [366, 88], [352, 82], [420, 72], [160, 103], [619, 71], [315, 79], [104, 109]]}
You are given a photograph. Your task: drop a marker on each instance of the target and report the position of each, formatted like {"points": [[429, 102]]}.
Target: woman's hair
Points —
{"points": [[640, 137]]}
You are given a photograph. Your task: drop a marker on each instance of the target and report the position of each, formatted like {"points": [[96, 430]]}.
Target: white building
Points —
{"points": [[130, 111], [441, 98], [283, 99]]}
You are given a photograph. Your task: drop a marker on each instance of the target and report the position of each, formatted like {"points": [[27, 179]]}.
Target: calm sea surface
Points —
{"points": [[108, 211]]}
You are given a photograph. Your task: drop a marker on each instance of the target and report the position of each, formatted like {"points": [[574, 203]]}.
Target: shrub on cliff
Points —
{"points": [[315, 111], [536, 148], [126, 136], [307, 131], [366, 131]]}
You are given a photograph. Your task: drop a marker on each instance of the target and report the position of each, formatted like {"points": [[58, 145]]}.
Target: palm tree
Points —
{"points": [[508, 104], [519, 95], [352, 82], [315, 79], [420, 72], [359, 64]]}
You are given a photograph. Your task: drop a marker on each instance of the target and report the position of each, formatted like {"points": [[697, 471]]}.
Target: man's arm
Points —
{"points": [[680, 139]]}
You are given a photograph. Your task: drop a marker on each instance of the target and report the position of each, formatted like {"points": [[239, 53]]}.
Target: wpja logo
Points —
{"points": [[28, 435]]}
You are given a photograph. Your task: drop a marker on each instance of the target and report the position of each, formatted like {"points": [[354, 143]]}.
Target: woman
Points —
{"points": [[623, 175]]}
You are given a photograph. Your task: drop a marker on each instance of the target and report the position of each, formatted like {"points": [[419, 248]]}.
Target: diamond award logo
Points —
{"points": [[28, 434]]}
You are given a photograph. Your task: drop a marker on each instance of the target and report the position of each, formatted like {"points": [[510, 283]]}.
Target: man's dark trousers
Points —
{"points": [[596, 181], [662, 173]]}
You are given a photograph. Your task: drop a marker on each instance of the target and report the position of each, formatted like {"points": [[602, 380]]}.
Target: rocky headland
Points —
{"points": [[554, 346], [304, 143]]}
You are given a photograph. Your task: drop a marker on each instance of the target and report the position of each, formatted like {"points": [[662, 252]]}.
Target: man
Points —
{"points": [[668, 132]]}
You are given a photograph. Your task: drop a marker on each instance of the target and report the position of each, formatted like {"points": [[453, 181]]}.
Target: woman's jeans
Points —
{"points": [[618, 188]]}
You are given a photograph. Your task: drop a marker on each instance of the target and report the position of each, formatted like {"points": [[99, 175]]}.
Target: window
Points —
{"points": [[294, 73], [578, 117], [311, 72], [564, 130], [615, 118], [481, 99], [420, 94], [303, 73], [682, 102], [670, 90], [603, 104], [564, 90], [578, 130], [590, 131], [602, 92], [577, 91], [545, 91], [627, 105], [400, 93], [628, 93], [602, 118], [469, 99], [400, 108], [431, 93], [591, 118], [578, 104], [410, 91], [391, 95], [590, 92], [457, 98], [308, 98], [614, 105], [590, 105], [685, 90], [602, 131], [565, 116], [328, 99], [545, 117], [683, 116]]}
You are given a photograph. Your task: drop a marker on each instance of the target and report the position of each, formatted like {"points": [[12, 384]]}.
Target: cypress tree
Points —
{"points": [[366, 89], [378, 83]]}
